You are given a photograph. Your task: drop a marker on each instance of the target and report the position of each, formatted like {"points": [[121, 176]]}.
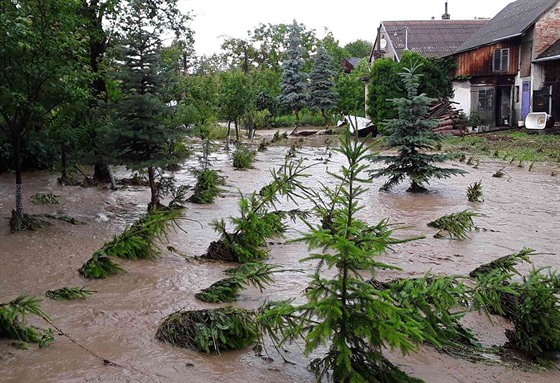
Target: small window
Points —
{"points": [[485, 99], [501, 60]]}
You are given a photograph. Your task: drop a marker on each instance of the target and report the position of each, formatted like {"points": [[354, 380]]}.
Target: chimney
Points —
{"points": [[446, 15]]}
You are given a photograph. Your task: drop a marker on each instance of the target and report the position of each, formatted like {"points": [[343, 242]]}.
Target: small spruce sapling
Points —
{"points": [[411, 134]]}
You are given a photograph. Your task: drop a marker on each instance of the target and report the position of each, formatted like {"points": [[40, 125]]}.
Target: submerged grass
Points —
{"points": [[456, 225], [69, 293], [210, 331], [515, 145], [136, 242], [14, 326]]}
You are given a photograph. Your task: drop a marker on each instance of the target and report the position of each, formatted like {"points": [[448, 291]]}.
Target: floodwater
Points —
{"points": [[119, 321]]}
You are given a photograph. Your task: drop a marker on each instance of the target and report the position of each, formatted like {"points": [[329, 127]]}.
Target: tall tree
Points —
{"points": [[322, 95], [237, 97], [351, 90], [142, 135], [294, 79], [411, 134], [40, 70], [358, 48], [103, 19]]}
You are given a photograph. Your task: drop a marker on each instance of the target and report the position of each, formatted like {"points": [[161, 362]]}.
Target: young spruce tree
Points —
{"points": [[294, 79], [322, 95], [411, 134], [142, 136]]}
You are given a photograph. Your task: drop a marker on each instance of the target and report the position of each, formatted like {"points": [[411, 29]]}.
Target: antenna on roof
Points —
{"points": [[446, 15]]}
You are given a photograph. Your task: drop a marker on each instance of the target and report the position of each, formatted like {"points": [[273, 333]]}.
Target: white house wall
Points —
{"points": [[462, 95]]}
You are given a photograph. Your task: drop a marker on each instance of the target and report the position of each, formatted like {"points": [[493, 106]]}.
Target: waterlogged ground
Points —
{"points": [[120, 320]]}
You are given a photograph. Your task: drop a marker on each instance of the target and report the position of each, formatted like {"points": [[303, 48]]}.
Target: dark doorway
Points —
{"points": [[503, 106]]}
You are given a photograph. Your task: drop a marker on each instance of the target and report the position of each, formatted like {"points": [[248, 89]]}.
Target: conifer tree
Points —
{"points": [[142, 135], [321, 88], [411, 134], [294, 79]]}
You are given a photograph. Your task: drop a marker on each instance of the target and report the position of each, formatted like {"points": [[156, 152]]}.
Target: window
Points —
{"points": [[485, 99], [501, 60]]}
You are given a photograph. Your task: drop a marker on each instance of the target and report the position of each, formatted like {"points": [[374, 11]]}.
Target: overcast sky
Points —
{"points": [[347, 20]]}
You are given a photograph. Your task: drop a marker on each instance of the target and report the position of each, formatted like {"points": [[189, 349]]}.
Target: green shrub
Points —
{"points": [[210, 331], [474, 192], [243, 157], [207, 186]]}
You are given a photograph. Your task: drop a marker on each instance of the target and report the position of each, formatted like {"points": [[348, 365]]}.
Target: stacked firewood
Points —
{"points": [[451, 120]]}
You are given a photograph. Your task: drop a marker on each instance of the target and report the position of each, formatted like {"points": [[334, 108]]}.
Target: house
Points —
{"points": [[348, 64], [547, 99], [429, 38], [507, 61]]}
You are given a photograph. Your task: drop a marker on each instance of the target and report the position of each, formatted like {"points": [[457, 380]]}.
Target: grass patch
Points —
{"points": [[515, 145]]}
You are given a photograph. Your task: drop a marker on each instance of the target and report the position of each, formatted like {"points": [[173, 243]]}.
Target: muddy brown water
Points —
{"points": [[119, 321]]}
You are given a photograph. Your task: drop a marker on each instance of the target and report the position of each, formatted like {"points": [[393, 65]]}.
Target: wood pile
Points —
{"points": [[450, 118]]}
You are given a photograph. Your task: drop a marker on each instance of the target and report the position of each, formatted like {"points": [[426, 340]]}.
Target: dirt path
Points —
{"points": [[120, 320]]}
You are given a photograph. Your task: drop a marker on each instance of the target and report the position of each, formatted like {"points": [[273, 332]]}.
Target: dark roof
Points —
{"points": [[511, 21], [354, 61], [552, 51], [431, 38]]}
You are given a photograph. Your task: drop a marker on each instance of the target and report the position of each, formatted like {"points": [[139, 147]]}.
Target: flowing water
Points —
{"points": [[119, 321]]}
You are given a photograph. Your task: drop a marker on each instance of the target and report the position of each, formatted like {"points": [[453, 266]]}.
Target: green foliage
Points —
{"points": [[505, 264], [207, 186], [210, 331], [433, 301], [226, 290], [322, 96], [99, 266], [456, 225], [435, 82], [256, 222], [536, 315], [243, 157], [45, 199], [411, 134], [358, 48], [518, 145], [532, 304], [474, 192], [69, 293], [350, 316], [237, 95], [13, 324], [350, 90], [294, 79], [137, 242]]}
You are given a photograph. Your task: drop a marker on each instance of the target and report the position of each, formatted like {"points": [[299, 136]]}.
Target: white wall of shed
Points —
{"points": [[462, 95]]}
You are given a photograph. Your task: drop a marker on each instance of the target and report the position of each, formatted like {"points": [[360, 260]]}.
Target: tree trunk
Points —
{"points": [[236, 131], [416, 188], [324, 114], [63, 163], [228, 132], [19, 184], [101, 173], [154, 200], [297, 116]]}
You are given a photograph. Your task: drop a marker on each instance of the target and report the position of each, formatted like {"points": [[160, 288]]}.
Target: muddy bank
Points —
{"points": [[119, 321]]}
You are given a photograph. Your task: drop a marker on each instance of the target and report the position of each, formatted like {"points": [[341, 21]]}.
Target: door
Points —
{"points": [[525, 99]]}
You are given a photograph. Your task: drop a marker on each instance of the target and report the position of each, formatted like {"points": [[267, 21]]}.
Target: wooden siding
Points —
{"points": [[552, 71], [479, 62]]}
